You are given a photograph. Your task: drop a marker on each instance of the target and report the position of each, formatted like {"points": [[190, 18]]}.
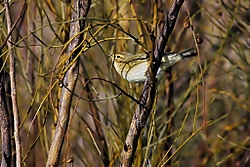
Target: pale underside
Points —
{"points": [[134, 67], [137, 72]]}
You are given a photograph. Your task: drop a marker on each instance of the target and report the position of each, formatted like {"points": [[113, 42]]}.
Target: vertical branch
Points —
{"points": [[80, 10], [96, 118], [102, 145], [169, 92], [5, 123], [170, 102], [148, 93], [13, 89]]}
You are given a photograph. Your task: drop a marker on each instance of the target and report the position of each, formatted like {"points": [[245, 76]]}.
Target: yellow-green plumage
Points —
{"points": [[133, 67]]}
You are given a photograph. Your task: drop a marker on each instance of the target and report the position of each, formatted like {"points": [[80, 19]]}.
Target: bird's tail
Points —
{"points": [[191, 52]]}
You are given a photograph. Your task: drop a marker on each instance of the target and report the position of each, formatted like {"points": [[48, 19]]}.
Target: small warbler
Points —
{"points": [[133, 67]]}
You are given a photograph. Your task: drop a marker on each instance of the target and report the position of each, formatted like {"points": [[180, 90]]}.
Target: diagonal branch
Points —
{"points": [[148, 93], [10, 31]]}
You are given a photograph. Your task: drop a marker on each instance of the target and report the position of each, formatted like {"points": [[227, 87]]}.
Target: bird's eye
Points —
{"points": [[118, 56]]}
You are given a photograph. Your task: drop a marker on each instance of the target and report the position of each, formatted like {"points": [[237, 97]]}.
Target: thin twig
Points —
{"points": [[20, 16], [120, 89]]}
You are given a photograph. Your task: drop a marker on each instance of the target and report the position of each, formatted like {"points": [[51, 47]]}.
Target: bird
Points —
{"points": [[133, 67]]}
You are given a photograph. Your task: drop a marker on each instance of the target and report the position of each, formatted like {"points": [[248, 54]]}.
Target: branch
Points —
{"points": [[5, 123], [101, 136], [80, 10], [148, 93], [20, 16], [13, 88], [169, 116]]}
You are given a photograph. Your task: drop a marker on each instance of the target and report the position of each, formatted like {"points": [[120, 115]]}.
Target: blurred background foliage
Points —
{"points": [[113, 26]]}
